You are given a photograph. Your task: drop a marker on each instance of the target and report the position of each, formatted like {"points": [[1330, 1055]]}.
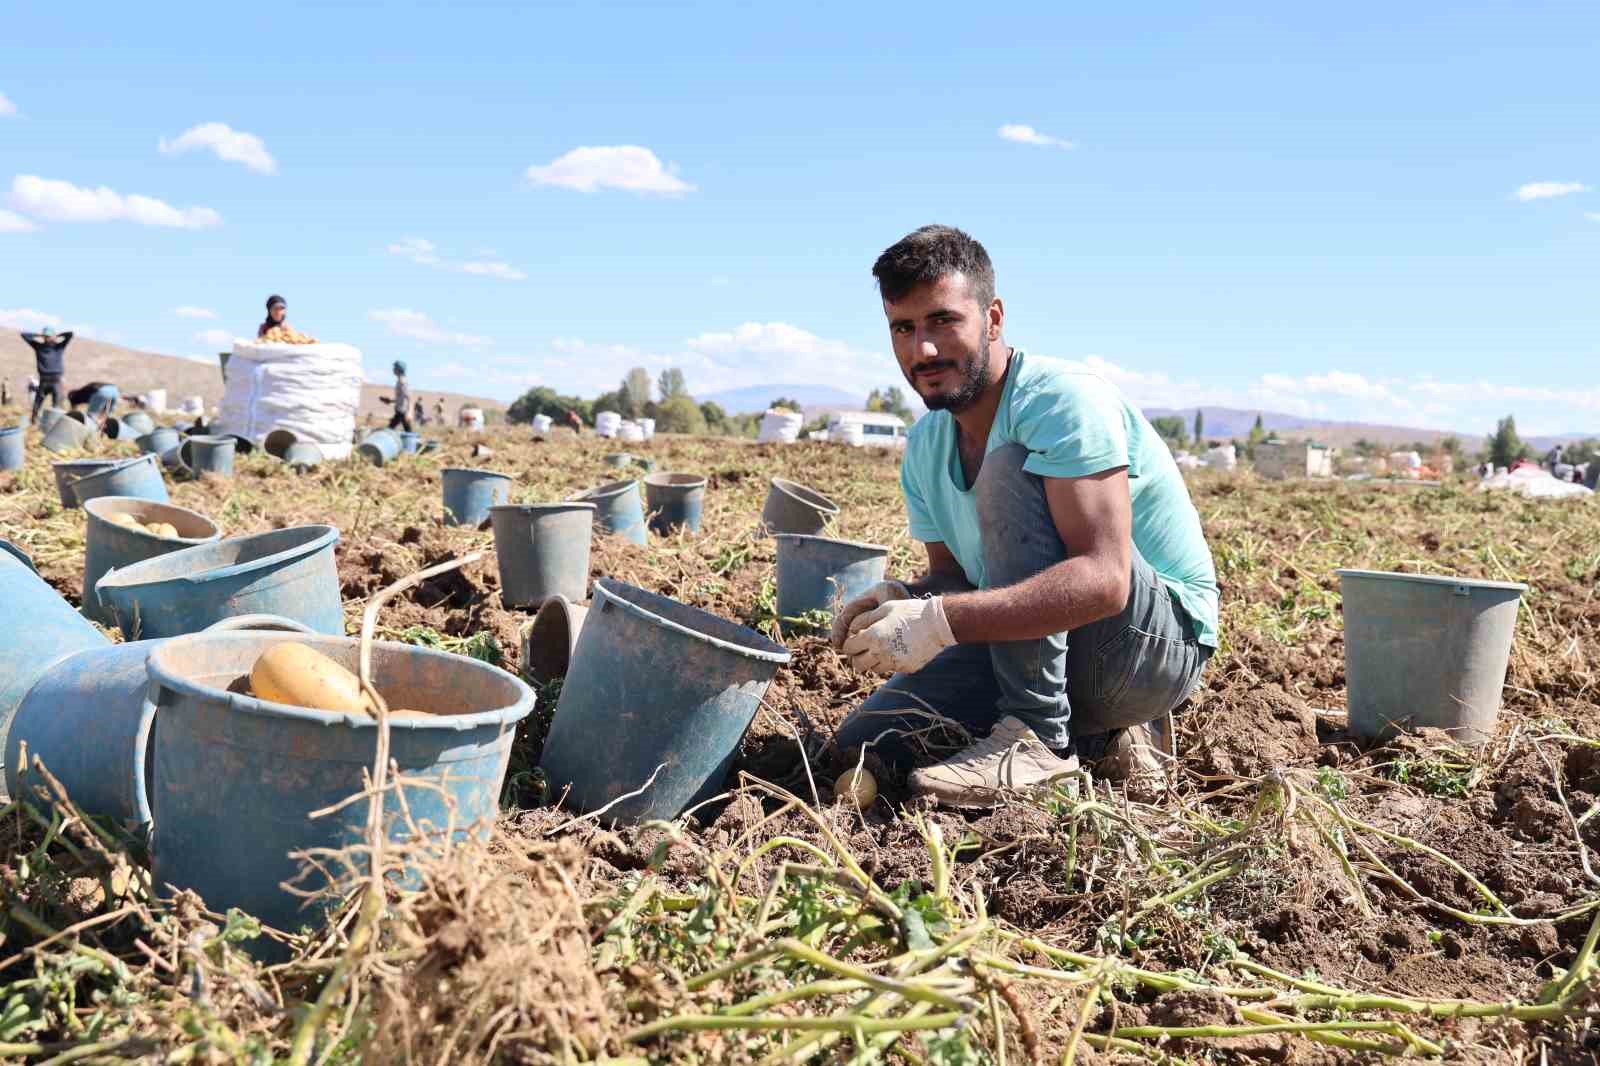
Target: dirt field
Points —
{"points": [[1291, 898]]}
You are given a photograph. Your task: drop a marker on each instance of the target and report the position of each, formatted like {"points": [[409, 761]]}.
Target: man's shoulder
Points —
{"points": [[927, 430]]}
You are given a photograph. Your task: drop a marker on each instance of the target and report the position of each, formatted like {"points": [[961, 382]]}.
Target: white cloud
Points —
{"points": [[7, 108], [215, 338], [415, 325], [61, 201], [622, 166], [25, 319], [1028, 135], [1545, 190], [1592, 216], [427, 253], [11, 222], [226, 143], [193, 312]]}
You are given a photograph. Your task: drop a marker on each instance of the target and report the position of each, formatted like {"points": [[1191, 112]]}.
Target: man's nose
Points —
{"points": [[926, 350]]}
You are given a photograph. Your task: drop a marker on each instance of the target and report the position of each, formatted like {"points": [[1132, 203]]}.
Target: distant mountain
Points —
{"points": [[757, 398], [1228, 423]]}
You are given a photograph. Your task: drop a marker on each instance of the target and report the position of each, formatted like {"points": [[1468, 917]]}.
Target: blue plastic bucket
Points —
{"points": [[13, 447], [208, 455], [1424, 650], [277, 442], [655, 688], [109, 546], [795, 508], [619, 509], [68, 434], [302, 456], [619, 459], [468, 495], [409, 442], [160, 440], [675, 501], [287, 572], [114, 428], [818, 574], [139, 422], [234, 777], [138, 478], [543, 551], [49, 416], [69, 471], [18, 554], [379, 446]]}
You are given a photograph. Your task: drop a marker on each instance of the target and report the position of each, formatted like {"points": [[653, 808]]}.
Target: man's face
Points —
{"points": [[941, 340], [278, 313]]}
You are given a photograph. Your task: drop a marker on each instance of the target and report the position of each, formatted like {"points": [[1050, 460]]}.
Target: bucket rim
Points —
{"points": [[16, 552], [557, 507], [607, 490], [6, 431], [820, 502], [603, 592], [1434, 579], [473, 471], [213, 438], [177, 648], [863, 545], [325, 539], [93, 508], [663, 480], [119, 465], [67, 465]]}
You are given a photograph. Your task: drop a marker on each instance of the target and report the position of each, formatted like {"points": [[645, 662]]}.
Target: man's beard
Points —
{"points": [[971, 371]]}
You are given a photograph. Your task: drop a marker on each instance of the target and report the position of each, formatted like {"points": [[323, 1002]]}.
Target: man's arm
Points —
{"points": [[944, 575], [63, 338], [1094, 517]]}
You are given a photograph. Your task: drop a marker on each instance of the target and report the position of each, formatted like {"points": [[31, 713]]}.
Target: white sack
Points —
{"points": [[312, 390]]}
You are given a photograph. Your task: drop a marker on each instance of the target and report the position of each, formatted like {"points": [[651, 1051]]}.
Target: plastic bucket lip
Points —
{"points": [[176, 649], [326, 539], [873, 549], [111, 505], [18, 554], [119, 465], [1435, 579], [558, 507], [675, 481], [609, 592], [806, 495], [606, 491], [6, 431], [473, 471]]}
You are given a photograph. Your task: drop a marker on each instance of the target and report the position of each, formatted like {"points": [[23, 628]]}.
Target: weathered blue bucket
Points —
{"points": [[619, 459], [1423, 650], [234, 777], [428, 446], [18, 554], [68, 472], [109, 546], [287, 572], [655, 688], [114, 428], [302, 456], [45, 630], [139, 478], [139, 422], [543, 551], [208, 455], [13, 447], [468, 495], [818, 574], [68, 434], [409, 442], [675, 501], [618, 509], [379, 446], [548, 641], [794, 508], [159, 441], [49, 416], [278, 442]]}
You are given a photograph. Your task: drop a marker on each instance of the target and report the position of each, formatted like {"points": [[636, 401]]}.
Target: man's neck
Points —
{"points": [[974, 422]]}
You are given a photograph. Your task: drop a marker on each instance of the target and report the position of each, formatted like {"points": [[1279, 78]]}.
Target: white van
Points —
{"points": [[867, 429]]}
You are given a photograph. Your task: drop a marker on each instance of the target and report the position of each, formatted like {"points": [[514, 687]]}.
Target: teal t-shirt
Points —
{"points": [[1075, 423]]}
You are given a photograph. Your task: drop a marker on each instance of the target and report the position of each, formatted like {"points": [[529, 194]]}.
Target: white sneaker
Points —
{"points": [[1011, 759], [1138, 756]]}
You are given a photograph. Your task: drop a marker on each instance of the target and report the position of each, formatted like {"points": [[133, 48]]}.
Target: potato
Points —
{"points": [[163, 529], [856, 786], [300, 676], [123, 518]]}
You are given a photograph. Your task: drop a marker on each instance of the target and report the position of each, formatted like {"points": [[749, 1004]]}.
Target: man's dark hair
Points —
{"points": [[925, 255]]}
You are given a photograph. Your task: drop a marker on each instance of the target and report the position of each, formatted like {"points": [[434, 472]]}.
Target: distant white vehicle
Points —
{"points": [[867, 429]]}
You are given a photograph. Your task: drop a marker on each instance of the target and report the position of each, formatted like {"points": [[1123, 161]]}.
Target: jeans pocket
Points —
{"points": [[1139, 676]]}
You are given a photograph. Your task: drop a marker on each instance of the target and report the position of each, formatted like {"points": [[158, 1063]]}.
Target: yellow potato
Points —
{"points": [[123, 518], [303, 677], [163, 529], [856, 786]]}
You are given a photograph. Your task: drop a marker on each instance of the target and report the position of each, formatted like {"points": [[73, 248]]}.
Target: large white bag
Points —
{"points": [[312, 390]]}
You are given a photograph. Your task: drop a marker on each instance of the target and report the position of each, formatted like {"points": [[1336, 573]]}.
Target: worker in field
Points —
{"points": [[50, 362], [277, 315], [575, 421], [419, 414], [401, 399], [100, 397], [1070, 603], [438, 411]]}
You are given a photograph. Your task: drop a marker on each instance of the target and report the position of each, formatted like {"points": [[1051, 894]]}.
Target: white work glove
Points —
{"points": [[902, 636], [876, 596]]}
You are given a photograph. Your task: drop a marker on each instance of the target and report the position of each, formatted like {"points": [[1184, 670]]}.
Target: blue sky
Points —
{"points": [[1377, 212]]}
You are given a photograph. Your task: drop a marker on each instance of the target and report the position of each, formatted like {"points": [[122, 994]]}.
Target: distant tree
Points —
{"points": [[680, 414], [1199, 427], [1257, 434], [788, 404], [636, 391], [1504, 446], [1583, 451], [1171, 429], [748, 426], [546, 401], [714, 415], [671, 384], [890, 401], [1450, 444]]}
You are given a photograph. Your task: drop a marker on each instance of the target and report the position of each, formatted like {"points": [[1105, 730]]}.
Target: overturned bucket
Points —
{"points": [[670, 688], [818, 574], [139, 422], [278, 442], [49, 416], [46, 630], [287, 572], [548, 640], [208, 455], [409, 443], [302, 456], [469, 494], [13, 450], [380, 446], [235, 778], [619, 459], [159, 441], [68, 434], [794, 508], [618, 509], [1422, 650], [68, 472], [109, 545], [675, 501], [139, 478], [542, 550]]}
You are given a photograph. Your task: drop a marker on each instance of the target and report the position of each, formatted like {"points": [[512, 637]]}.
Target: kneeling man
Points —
{"points": [[1070, 600]]}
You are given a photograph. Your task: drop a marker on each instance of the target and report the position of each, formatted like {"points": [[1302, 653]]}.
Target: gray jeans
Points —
{"points": [[1071, 687]]}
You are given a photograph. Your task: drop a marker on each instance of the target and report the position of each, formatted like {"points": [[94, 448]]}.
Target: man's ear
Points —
{"points": [[997, 318]]}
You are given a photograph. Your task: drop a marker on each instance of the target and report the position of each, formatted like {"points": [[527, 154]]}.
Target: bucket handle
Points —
{"points": [[1462, 590]]}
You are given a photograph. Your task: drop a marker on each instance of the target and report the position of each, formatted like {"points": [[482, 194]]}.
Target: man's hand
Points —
{"points": [[902, 636], [876, 596]]}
